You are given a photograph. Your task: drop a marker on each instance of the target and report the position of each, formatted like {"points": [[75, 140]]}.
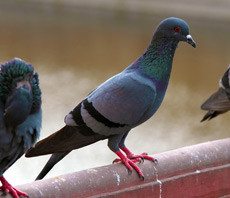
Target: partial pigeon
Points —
{"points": [[20, 115], [219, 102], [121, 103]]}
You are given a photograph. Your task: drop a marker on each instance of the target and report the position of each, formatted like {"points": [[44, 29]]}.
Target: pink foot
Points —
{"points": [[7, 187], [118, 160], [135, 158], [129, 164], [140, 157]]}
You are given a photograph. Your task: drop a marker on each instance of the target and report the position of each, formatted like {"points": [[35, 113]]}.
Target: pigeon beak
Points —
{"points": [[24, 84], [190, 41]]}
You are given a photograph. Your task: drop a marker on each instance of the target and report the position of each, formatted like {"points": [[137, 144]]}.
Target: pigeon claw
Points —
{"points": [[8, 188], [140, 160], [129, 172], [117, 160], [137, 158], [142, 178], [155, 161], [129, 164], [142, 157]]}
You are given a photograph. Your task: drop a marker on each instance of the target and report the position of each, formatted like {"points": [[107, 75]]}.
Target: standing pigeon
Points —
{"points": [[20, 115], [121, 103], [219, 102]]}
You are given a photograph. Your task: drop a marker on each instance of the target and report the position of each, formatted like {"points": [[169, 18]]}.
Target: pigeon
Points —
{"points": [[218, 102], [121, 103], [20, 115]]}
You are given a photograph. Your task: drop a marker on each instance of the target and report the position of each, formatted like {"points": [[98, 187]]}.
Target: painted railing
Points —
{"points": [[201, 170]]}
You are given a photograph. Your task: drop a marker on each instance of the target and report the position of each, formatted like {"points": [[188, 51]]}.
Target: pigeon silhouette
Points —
{"points": [[20, 115], [121, 103], [218, 102]]}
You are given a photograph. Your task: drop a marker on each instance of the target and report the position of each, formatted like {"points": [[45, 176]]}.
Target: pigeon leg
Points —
{"points": [[121, 145], [7, 187], [129, 164], [131, 155]]}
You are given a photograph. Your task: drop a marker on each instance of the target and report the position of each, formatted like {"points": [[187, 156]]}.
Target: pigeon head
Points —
{"points": [[175, 29], [23, 81], [16, 74], [225, 81]]}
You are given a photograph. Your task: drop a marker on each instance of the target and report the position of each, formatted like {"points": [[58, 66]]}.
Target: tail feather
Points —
{"points": [[65, 140], [209, 115], [54, 159]]}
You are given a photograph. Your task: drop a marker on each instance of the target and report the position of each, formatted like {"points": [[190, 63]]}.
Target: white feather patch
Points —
{"points": [[221, 84], [69, 120]]}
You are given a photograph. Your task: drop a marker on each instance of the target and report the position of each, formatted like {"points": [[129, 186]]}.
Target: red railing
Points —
{"points": [[201, 170]]}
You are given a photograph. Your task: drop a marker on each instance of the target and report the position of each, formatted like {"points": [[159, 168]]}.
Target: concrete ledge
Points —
{"points": [[201, 170]]}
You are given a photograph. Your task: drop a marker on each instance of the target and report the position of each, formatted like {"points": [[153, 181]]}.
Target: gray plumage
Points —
{"points": [[20, 113], [121, 103]]}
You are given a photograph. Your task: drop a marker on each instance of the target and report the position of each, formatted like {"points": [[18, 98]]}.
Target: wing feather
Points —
{"points": [[219, 101], [66, 139], [124, 99]]}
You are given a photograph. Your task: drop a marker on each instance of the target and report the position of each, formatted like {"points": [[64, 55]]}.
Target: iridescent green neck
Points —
{"points": [[156, 62]]}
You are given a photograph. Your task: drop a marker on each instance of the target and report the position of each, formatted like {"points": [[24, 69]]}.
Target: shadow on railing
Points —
{"points": [[201, 170]]}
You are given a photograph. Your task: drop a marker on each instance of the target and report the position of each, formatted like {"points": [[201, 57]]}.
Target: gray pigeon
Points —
{"points": [[20, 115], [121, 103], [219, 102]]}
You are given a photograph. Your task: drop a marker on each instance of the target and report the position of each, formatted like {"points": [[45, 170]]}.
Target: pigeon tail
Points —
{"points": [[54, 159], [66, 139], [209, 115]]}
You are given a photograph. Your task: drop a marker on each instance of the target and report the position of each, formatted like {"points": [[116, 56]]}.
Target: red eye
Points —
{"points": [[177, 29]]}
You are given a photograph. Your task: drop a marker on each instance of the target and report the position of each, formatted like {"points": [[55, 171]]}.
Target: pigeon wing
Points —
{"points": [[124, 99], [219, 101]]}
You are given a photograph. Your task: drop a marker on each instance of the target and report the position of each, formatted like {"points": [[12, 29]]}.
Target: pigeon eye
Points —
{"points": [[177, 29]]}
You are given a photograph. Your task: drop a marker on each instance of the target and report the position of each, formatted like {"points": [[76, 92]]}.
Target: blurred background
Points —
{"points": [[77, 44]]}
